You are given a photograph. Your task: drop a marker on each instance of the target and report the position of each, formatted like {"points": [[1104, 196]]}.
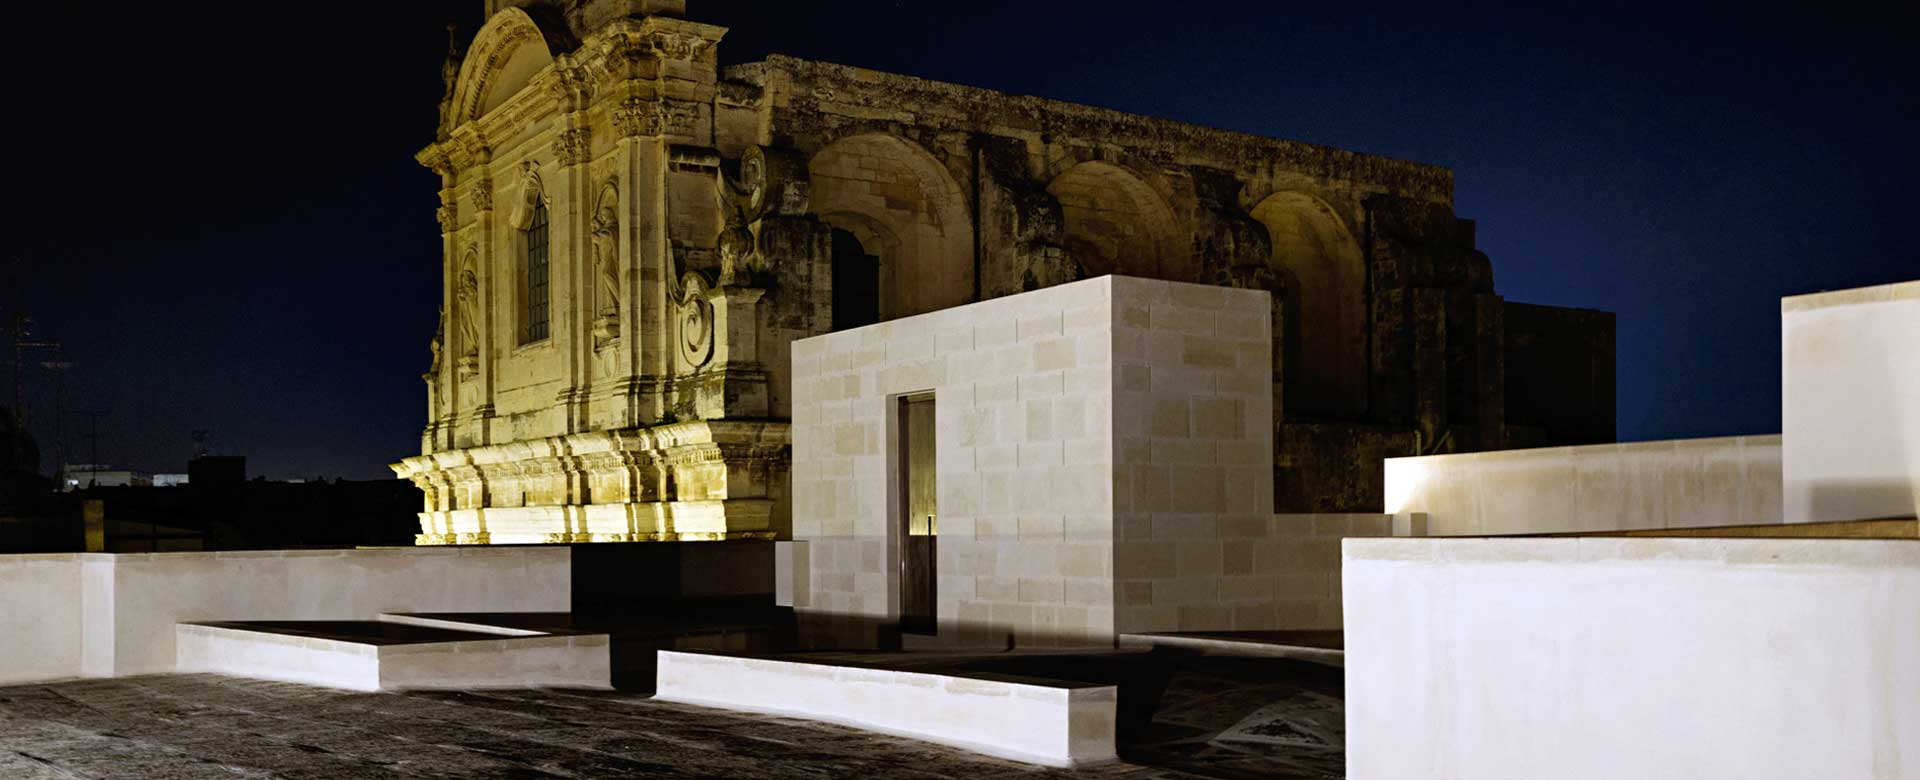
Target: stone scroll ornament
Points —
{"points": [[696, 320], [767, 183]]}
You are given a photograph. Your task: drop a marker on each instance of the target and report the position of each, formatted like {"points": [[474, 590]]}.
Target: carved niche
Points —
{"points": [[604, 234], [467, 313]]}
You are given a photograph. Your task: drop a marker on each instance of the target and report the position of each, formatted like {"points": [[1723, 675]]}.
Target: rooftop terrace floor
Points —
{"points": [[1218, 718]]}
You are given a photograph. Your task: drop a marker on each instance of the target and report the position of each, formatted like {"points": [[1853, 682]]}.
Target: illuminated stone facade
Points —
{"points": [[635, 235]]}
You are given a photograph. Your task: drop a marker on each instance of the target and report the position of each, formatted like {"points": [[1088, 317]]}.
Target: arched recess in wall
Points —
{"points": [[506, 55], [905, 209], [1324, 314], [1116, 224]]}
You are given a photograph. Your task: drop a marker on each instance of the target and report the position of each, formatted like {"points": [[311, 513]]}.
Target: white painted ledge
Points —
{"points": [[569, 661], [1054, 724]]}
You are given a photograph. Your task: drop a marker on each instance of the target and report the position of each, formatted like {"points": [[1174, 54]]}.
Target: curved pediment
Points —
{"points": [[507, 55]]}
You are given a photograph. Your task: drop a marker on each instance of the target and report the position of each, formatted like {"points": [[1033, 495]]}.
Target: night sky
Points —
{"points": [[217, 210]]}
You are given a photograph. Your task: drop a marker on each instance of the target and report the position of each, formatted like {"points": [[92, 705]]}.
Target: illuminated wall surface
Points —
{"points": [[1520, 659], [1851, 403], [1103, 454]]}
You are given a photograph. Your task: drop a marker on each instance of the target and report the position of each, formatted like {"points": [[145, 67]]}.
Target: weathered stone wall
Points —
{"points": [[693, 215], [1390, 337]]}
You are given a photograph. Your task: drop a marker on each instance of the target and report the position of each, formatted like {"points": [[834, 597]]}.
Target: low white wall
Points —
{"points": [[573, 661], [41, 605], [1850, 396], [1612, 658], [567, 661], [1056, 725], [152, 592], [1683, 483], [264, 656], [97, 615]]}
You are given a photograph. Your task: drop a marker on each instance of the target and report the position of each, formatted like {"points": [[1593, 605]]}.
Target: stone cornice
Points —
{"points": [[830, 89], [701, 433]]}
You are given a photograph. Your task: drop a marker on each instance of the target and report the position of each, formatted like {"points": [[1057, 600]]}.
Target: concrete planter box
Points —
{"points": [[1047, 722]]}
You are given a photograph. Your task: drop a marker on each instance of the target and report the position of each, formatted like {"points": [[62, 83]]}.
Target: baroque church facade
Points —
{"points": [[634, 235]]}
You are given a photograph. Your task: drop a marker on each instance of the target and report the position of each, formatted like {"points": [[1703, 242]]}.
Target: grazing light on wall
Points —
{"points": [[1404, 478]]}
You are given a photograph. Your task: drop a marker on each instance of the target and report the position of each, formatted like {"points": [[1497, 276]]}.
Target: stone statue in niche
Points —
{"points": [[439, 343], [605, 232], [449, 75], [468, 291]]}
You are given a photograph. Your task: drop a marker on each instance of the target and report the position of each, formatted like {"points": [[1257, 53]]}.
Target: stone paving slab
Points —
{"points": [[1220, 718]]}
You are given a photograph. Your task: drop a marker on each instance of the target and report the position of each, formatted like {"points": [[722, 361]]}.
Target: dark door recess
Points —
{"points": [[919, 521]]}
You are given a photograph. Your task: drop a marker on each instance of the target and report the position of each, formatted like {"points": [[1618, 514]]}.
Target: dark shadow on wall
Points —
{"points": [[1837, 500]]}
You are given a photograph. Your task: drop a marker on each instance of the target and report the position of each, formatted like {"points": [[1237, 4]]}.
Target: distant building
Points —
{"points": [[170, 480], [79, 476]]}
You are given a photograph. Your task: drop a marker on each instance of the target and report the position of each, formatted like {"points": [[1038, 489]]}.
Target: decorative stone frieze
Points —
{"points": [[696, 481]]}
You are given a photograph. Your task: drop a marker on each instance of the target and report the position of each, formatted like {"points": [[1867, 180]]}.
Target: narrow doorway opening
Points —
{"points": [[919, 516]]}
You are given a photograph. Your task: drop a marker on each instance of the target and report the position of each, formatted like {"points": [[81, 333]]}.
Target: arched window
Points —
{"points": [[856, 283], [537, 273]]}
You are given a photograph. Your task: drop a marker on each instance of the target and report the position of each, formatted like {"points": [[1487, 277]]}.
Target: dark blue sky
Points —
{"points": [[217, 210]]}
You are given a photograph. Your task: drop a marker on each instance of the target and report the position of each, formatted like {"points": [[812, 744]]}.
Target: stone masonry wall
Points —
{"points": [[1194, 427], [1023, 392], [1073, 422]]}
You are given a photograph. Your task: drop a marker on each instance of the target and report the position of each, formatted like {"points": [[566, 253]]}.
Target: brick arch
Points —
{"points": [[1324, 309], [877, 185], [1116, 224]]}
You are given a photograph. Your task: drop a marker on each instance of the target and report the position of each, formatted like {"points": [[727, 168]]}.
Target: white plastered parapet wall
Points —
{"points": [[1610, 658], [1100, 447], [1686, 483], [101, 615], [1850, 395], [1850, 447]]}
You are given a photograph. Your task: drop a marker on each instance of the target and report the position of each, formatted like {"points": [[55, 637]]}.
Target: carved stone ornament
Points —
{"points": [[743, 201], [669, 45], [696, 320], [483, 195], [573, 147], [636, 117], [532, 194]]}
